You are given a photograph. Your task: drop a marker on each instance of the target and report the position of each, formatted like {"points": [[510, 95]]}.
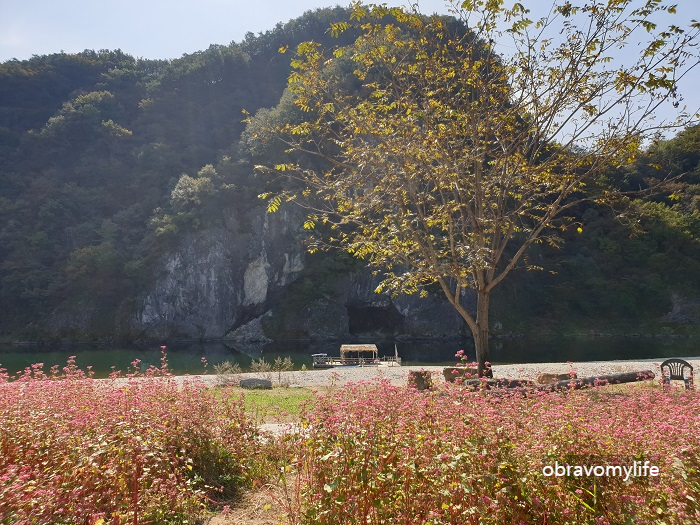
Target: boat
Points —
{"points": [[356, 356]]}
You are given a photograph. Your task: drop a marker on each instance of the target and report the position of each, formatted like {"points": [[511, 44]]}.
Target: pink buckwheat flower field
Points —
{"points": [[140, 449], [379, 454], [151, 448]]}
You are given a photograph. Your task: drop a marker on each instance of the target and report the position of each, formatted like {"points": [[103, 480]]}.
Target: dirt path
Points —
{"points": [[259, 507]]}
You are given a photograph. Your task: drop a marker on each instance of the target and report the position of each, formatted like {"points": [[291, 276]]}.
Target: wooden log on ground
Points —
{"points": [[609, 379], [567, 384], [548, 379], [489, 383]]}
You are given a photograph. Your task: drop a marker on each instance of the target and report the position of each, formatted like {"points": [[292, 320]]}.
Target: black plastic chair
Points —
{"points": [[676, 370]]}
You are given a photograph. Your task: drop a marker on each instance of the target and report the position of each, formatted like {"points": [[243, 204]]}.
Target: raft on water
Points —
{"points": [[356, 356]]}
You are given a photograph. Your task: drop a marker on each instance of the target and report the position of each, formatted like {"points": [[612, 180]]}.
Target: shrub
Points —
{"points": [[282, 365], [261, 367], [227, 373]]}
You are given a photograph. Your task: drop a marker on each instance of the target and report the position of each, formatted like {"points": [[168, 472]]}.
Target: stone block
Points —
{"points": [[451, 373], [420, 380], [254, 382]]}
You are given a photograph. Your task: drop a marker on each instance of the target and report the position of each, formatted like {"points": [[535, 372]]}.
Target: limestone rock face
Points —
{"points": [[250, 333], [197, 291], [683, 310], [219, 279], [236, 282], [354, 309], [256, 281], [411, 316], [326, 319]]}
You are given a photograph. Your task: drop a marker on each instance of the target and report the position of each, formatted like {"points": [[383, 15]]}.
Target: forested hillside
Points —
{"points": [[113, 168], [637, 265]]}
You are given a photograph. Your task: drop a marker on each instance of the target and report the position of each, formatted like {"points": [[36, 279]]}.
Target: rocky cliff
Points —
{"points": [[248, 282], [219, 279]]}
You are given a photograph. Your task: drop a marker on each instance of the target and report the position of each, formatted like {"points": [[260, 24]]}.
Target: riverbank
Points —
{"points": [[336, 377], [188, 358]]}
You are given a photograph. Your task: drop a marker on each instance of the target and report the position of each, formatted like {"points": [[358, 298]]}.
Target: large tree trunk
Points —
{"points": [[481, 334], [479, 324]]}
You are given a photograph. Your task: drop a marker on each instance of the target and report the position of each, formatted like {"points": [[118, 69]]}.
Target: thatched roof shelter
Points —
{"points": [[359, 350]]}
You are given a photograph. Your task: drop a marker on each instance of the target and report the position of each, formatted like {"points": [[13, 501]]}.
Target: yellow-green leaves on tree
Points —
{"points": [[437, 156], [274, 204]]}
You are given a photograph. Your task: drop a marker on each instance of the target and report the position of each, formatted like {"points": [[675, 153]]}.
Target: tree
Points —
{"points": [[451, 160]]}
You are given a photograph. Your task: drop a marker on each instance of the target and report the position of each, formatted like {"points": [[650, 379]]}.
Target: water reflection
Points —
{"points": [[186, 358]]}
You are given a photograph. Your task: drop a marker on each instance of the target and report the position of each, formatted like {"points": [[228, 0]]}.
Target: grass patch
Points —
{"points": [[276, 405]]}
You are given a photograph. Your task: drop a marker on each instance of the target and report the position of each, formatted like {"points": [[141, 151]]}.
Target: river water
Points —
{"points": [[187, 358]]}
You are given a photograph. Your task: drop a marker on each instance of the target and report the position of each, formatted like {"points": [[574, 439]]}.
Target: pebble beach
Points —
{"points": [[398, 375]]}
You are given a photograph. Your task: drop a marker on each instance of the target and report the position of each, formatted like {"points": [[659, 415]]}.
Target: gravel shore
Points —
{"points": [[398, 375]]}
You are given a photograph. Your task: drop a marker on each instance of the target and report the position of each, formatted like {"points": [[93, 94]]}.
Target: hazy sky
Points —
{"points": [[144, 28]]}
